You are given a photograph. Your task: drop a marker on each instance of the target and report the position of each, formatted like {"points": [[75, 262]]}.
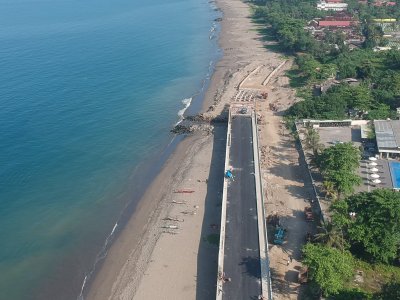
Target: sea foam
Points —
{"points": [[186, 102]]}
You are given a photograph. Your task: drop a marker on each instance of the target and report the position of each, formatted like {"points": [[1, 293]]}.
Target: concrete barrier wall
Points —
{"points": [[359, 122], [303, 155], [266, 284], [223, 215]]}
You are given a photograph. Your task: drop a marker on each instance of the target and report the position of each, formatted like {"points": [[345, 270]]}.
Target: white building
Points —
{"points": [[332, 6]]}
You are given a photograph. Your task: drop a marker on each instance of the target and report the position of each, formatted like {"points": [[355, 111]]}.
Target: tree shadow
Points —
{"points": [[355, 135], [268, 38], [281, 286], [300, 191], [252, 265], [296, 80], [207, 259], [291, 276], [289, 170]]}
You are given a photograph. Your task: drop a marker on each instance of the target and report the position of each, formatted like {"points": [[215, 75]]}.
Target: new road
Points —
{"points": [[242, 253]]}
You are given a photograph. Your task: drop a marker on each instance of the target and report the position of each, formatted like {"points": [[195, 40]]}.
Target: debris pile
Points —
{"points": [[182, 129], [198, 123], [260, 119]]}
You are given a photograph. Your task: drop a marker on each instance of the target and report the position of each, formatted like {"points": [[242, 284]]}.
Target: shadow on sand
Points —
{"points": [[207, 258]]}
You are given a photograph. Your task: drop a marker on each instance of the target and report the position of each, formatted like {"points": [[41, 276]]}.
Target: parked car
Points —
{"points": [[243, 110], [279, 236]]}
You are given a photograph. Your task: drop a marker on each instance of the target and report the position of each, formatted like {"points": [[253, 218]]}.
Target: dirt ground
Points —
{"points": [[287, 187], [151, 259]]}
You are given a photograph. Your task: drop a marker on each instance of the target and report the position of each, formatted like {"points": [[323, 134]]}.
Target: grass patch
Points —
{"points": [[374, 275]]}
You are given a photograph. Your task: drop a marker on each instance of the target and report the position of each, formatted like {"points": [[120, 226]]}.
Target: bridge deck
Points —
{"points": [[242, 253]]}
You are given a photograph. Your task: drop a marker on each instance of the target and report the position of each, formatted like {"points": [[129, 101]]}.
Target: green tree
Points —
{"points": [[373, 35], [309, 67], [352, 294], [375, 228], [393, 58], [330, 268], [389, 291], [366, 69], [312, 141], [357, 97], [330, 190], [338, 165], [379, 111], [332, 236]]}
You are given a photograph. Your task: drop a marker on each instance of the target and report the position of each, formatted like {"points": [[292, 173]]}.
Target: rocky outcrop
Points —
{"points": [[198, 123], [182, 129]]}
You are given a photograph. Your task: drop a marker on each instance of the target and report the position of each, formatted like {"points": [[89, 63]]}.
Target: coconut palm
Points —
{"points": [[330, 190], [332, 236], [312, 141]]}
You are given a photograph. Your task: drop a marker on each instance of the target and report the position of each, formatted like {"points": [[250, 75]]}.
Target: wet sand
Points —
{"points": [[154, 258]]}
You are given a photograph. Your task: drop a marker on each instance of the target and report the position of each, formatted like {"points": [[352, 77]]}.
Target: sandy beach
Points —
{"points": [[169, 248]]}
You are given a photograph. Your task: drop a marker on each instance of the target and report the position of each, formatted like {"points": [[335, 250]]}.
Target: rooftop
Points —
{"points": [[335, 23], [331, 4], [387, 133]]}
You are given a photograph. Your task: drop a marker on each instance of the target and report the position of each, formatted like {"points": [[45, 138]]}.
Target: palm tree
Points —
{"points": [[313, 161], [331, 236], [330, 190], [312, 141]]}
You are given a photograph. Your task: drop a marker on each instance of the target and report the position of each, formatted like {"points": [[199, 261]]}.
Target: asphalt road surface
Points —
{"points": [[242, 258]]}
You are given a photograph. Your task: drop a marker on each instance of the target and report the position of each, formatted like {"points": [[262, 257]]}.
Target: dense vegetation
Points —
{"points": [[378, 93], [338, 164], [364, 226], [329, 267], [374, 231], [364, 232]]}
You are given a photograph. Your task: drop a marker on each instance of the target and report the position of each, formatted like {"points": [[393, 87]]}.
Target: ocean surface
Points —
{"points": [[89, 90]]}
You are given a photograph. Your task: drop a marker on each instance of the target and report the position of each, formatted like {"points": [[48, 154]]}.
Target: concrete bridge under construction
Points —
{"points": [[243, 266]]}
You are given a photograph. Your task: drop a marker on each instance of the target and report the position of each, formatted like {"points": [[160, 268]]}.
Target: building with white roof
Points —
{"points": [[387, 134], [331, 6]]}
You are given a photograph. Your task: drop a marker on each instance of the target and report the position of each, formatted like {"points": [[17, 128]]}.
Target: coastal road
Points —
{"points": [[242, 258]]}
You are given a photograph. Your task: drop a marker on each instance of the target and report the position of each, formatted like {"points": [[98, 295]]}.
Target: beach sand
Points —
{"points": [[148, 261]]}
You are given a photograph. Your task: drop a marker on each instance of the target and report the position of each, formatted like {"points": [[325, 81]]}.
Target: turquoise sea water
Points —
{"points": [[88, 93]]}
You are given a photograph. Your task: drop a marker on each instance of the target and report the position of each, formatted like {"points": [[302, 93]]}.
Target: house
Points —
{"points": [[342, 24], [332, 6], [340, 16]]}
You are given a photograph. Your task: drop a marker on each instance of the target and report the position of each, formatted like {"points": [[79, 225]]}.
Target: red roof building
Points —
{"points": [[334, 23]]}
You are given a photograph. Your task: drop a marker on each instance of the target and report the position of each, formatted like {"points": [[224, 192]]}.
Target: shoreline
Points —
{"points": [[146, 261], [137, 234], [146, 212]]}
